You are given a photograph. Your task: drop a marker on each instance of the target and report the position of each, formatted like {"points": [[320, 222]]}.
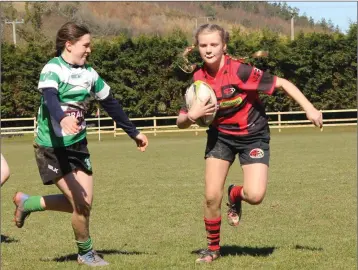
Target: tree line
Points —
{"points": [[145, 78]]}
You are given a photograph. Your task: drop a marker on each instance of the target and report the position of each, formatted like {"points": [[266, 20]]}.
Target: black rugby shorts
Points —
{"points": [[249, 148], [55, 163]]}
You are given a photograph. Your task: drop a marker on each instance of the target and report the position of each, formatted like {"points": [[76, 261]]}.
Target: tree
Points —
{"points": [[143, 74], [311, 21]]}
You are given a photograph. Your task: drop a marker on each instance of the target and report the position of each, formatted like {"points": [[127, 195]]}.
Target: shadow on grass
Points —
{"points": [[242, 251], [73, 257], [7, 239], [308, 248]]}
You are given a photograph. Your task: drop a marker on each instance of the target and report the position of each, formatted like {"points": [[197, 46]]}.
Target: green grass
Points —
{"points": [[147, 211]]}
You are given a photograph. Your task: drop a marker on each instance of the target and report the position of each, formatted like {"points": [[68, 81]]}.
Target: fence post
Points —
{"points": [[35, 126], [155, 125], [99, 125], [322, 120], [279, 121], [115, 127]]}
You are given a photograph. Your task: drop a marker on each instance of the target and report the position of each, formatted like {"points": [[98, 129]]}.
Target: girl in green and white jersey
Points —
{"points": [[67, 83]]}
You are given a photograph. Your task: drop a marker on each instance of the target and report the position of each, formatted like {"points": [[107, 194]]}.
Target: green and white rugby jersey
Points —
{"points": [[75, 86]]}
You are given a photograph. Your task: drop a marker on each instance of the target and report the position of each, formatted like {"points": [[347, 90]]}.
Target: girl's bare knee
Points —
{"points": [[254, 198], [83, 206], [212, 202]]}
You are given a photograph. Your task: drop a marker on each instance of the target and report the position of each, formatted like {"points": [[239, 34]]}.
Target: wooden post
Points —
{"points": [[99, 124], [35, 126], [292, 28], [115, 127], [155, 125], [279, 121]]}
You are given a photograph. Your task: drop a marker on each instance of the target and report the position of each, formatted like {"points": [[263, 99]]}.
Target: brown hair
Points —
{"points": [[70, 31], [188, 67], [212, 28]]}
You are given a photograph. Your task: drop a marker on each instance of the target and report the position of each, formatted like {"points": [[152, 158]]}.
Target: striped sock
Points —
{"points": [[212, 227], [84, 247], [235, 194]]}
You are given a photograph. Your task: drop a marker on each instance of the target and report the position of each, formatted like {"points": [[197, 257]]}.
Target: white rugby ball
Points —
{"points": [[201, 90]]}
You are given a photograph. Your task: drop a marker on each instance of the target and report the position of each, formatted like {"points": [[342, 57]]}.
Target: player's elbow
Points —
{"points": [[182, 122], [282, 83], [181, 125]]}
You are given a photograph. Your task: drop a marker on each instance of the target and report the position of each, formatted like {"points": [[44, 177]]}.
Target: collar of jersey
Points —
{"points": [[222, 70], [63, 61]]}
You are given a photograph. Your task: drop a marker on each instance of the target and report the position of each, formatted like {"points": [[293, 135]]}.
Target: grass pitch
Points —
{"points": [[147, 211]]}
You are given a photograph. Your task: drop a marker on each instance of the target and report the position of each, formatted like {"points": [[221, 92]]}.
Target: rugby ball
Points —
{"points": [[200, 90]]}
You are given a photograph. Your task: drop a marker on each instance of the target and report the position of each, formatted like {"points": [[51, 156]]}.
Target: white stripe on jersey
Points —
{"points": [[104, 91], [48, 84], [50, 67], [101, 95], [67, 105]]}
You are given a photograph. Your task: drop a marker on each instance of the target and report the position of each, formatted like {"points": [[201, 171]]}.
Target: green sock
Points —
{"points": [[84, 247], [33, 204]]}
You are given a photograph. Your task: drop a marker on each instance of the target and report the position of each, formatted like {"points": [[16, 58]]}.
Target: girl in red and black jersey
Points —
{"points": [[240, 127]]}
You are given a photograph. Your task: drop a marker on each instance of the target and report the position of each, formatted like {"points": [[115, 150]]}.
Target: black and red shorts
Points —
{"points": [[250, 149]]}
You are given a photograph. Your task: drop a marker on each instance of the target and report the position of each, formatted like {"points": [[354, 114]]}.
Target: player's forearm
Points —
{"points": [[115, 111], [183, 121], [294, 93]]}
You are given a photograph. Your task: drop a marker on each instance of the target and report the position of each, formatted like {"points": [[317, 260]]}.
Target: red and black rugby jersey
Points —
{"points": [[236, 86]]}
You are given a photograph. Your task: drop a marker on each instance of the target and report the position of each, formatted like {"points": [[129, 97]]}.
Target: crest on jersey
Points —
{"points": [[257, 74], [228, 91], [257, 153]]}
